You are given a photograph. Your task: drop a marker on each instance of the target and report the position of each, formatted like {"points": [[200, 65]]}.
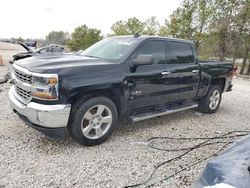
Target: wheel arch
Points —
{"points": [[114, 93], [219, 82]]}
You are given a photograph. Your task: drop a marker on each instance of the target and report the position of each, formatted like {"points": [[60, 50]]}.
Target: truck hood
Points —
{"points": [[52, 64], [24, 46]]}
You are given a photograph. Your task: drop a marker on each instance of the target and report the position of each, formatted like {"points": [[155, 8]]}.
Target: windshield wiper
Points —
{"points": [[91, 56]]}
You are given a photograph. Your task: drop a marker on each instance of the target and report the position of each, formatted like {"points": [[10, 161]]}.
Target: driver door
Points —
{"points": [[148, 85]]}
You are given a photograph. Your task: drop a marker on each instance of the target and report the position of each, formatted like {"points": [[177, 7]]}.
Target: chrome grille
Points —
{"points": [[23, 76], [25, 95]]}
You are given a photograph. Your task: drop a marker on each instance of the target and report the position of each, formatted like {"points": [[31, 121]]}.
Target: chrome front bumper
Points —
{"points": [[48, 116]]}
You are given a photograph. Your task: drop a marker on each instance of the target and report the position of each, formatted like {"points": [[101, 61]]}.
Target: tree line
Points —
{"points": [[220, 30]]}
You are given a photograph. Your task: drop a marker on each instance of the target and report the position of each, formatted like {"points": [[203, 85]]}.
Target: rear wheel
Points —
{"points": [[211, 102], [94, 121]]}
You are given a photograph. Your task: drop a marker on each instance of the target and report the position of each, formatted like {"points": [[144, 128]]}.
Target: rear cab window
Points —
{"points": [[179, 53]]}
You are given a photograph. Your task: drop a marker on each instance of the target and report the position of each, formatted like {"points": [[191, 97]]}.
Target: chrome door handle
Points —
{"points": [[195, 71], [165, 73]]}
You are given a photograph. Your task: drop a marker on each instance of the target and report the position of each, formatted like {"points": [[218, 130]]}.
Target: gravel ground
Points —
{"points": [[29, 159]]}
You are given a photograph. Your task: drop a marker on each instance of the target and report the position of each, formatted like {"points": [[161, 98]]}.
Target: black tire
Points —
{"points": [[204, 103], [77, 119]]}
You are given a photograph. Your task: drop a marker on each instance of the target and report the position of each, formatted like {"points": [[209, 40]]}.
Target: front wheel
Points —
{"points": [[211, 102], [94, 121]]}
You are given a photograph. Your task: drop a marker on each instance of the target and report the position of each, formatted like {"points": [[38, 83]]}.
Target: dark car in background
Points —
{"points": [[51, 49]]}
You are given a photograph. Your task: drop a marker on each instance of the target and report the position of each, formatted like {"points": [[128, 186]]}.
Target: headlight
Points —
{"points": [[45, 87], [43, 81]]}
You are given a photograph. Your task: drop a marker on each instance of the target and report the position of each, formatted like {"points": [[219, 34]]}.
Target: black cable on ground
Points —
{"points": [[187, 150]]}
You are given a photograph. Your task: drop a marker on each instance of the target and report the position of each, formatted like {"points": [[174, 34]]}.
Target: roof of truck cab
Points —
{"points": [[144, 37]]}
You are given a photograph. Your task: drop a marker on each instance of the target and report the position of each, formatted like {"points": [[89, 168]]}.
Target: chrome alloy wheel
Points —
{"points": [[96, 122], [214, 100]]}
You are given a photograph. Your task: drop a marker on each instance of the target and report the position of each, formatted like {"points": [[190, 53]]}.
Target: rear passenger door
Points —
{"points": [[183, 70]]}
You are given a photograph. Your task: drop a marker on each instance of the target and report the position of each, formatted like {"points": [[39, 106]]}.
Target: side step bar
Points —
{"points": [[148, 115]]}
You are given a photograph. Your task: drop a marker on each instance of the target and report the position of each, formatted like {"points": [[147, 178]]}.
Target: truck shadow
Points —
{"points": [[124, 131], [128, 126]]}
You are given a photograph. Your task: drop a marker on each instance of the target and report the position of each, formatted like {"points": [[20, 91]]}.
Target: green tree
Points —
{"points": [[190, 20], [202, 19], [223, 24], [163, 31], [245, 48], [151, 26], [173, 26], [244, 62], [248, 48], [240, 21], [20, 39], [180, 23], [218, 27], [134, 26], [129, 27], [83, 37], [120, 28], [57, 37]]}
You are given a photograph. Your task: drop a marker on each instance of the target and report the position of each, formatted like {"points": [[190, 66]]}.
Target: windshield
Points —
{"points": [[38, 49], [111, 48]]}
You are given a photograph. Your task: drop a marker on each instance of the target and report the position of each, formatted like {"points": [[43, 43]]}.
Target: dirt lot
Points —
{"points": [[29, 159]]}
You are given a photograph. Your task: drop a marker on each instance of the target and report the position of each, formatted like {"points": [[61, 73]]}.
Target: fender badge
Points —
{"points": [[136, 93]]}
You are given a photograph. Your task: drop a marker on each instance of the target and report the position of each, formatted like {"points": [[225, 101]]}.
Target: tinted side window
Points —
{"points": [[155, 48], [179, 52], [57, 49], [43, 51]]}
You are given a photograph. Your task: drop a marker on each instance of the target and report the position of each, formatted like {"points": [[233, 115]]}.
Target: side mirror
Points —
{"points": [[143, 60]]}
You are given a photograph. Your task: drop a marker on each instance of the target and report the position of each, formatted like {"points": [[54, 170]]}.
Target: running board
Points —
{"points": [[148, 115]]}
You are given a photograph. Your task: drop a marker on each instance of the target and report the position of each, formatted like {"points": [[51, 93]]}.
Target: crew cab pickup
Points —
{"points": [[137, 77]]}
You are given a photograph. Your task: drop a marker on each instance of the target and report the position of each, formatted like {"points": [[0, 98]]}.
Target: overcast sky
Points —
{"points": [[36, 18]]}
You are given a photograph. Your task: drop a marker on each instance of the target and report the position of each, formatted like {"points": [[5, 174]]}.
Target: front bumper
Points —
{"points": [[40, 116]]}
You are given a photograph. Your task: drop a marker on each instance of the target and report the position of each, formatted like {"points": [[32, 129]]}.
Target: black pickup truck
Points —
{"points": [[138, 77]]}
